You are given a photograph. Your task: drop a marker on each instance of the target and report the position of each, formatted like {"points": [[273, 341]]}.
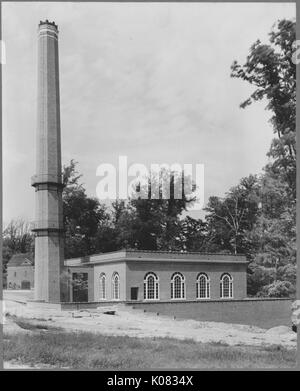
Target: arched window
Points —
{"points": [[102, 286], [202, 286], [151, 286], [226, 286], [177, 286], [115, 286]]}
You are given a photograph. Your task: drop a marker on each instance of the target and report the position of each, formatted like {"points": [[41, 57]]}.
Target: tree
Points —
{"points": [[229, 218], [192, 235], [273, 239], [83, 216], [150, 223], [18, 236], [270, 69]]}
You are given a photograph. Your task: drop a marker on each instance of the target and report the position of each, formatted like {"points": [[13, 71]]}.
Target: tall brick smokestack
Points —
{"points": [[48, 228]]}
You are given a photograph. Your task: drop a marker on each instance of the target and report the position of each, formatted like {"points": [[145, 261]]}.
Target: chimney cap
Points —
{"points": [[47, 22]]}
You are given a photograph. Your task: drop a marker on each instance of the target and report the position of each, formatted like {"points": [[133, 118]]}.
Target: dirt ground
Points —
{"points": [[136, 323]]}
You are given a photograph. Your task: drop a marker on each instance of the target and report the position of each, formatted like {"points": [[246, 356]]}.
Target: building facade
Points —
{"points": [[20, 272], [132, 275]]}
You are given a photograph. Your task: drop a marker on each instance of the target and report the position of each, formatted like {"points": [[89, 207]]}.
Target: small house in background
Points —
{"points": [[20, 272]]}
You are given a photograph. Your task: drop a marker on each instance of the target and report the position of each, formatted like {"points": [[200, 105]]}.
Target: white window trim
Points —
{"points": [[230, 286], [207, 296], [105, 286], [156, 282], [113, 287], [173, 286]]}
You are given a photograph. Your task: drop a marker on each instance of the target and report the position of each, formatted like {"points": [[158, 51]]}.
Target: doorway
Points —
{"points": [[25, 285], [134, 294], [80, 287]]}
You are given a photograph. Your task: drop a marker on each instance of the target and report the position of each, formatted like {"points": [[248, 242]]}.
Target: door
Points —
{"points": [[134, 293], [25, 285], [80, 287]]}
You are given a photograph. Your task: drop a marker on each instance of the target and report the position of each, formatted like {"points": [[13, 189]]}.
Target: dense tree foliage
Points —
{"points": [[229, 218], [83, 216], [154, 224], [269, 68]]}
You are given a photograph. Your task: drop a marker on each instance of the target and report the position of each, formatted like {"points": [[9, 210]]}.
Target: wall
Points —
{"points": [[265, 313], [136, 271], [23, 273], [109, 269]]}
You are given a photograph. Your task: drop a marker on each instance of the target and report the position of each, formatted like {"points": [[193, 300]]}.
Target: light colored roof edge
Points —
{"points": [[125, 251], [104, 256], [178, 252], [20, 259], [77, 261], [24, 264]]}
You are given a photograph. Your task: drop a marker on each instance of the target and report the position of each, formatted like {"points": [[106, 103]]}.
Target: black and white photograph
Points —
{"points": [[149, 187]]}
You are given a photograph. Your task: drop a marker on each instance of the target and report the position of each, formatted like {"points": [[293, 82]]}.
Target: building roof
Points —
{"points": [[21, 259], [155, 256]]}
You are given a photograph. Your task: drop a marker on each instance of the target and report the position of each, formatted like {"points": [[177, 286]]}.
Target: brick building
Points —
{"points": [[131, 275], [20, 272]]}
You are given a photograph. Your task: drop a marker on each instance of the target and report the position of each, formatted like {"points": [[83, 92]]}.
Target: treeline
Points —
{"points": [[257, 217]]}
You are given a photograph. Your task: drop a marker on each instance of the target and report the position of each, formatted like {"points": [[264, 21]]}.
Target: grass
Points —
{"points": [[85, 350]]}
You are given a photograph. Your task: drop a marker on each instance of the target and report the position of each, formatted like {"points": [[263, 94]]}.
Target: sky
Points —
{"points": [[150, 81]]}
